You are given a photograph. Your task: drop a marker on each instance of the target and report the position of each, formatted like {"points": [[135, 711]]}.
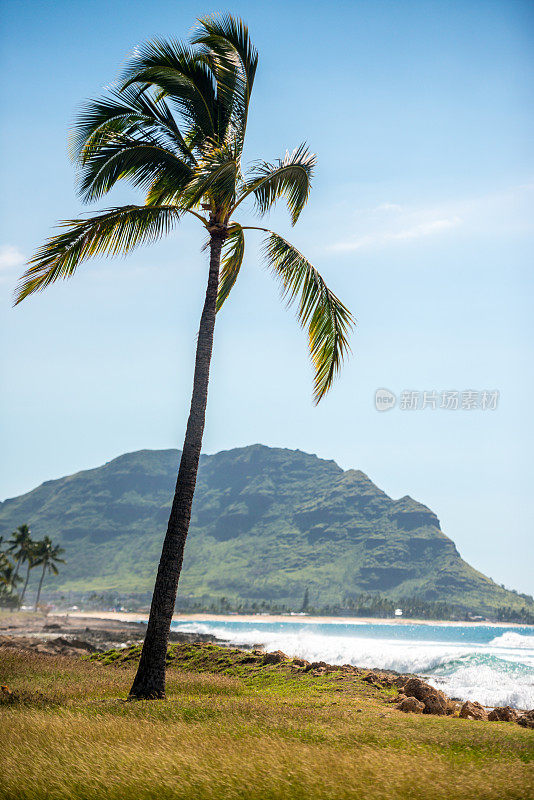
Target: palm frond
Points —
{"points": [[289, 177], [227, 38], [128, 113], [327, 319], [215, 179], [227, 31], [139, 162], [232, 258], [181, 75], [112, 232]]}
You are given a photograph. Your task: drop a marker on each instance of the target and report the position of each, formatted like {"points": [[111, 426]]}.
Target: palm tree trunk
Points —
{"points": [[40, 585], [13, 580], [25, 585], [150, 678]]}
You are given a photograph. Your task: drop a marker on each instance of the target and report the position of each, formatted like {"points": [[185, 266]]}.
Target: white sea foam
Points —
{"points": [[488, 685], [513, 639], [500, 672]]}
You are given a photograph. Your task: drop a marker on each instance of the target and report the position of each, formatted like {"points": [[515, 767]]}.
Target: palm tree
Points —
{"points": [[30, 558], [19, 545], [8, 580], [175, 127], [48, 555]]}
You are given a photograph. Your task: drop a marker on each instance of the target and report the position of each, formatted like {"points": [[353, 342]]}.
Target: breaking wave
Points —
{"points": [[495, 670], [513, 639]]}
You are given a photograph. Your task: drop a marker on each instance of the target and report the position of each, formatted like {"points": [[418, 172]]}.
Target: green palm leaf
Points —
{"points": [[214, 179], [127, 113], [113, 232], [228, 40], [140, 162], [289, 177], [182, 75], [233, 252], [327, 319]]}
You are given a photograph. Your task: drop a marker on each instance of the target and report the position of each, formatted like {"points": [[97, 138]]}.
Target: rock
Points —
{"points": [[299, 662], [274, 658], [435, 701], [316, 665], [61, 646], [410, 705], [473, 711], [80, 644], [527, 719], [52, 626], [503, 714], [453, 707], [59, 642]]}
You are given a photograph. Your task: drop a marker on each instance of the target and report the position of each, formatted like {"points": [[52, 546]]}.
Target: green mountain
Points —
{"points": [[267, 523]]}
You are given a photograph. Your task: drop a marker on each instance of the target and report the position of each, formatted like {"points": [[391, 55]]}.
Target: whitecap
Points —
{"points": [[513, 639]]}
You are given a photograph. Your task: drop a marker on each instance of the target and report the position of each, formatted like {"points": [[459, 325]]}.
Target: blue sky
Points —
{"points": [[420, 219]]}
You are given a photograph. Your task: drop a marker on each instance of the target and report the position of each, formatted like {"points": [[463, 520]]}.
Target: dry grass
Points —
{"points": [[66, 734]]}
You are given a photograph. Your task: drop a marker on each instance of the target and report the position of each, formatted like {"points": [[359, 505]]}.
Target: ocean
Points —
{"points": [[491, 664]]}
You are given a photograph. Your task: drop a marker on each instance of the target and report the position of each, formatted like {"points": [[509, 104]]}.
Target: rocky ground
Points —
{"points": [[409, 693], [72, 636]]}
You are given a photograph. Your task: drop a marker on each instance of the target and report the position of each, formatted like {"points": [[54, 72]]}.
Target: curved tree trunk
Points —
{"points": [[150, 678], [21, 599], [40, 586], [14, 579]]}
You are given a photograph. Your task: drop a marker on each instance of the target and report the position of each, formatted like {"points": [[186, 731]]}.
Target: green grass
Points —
{"points": [[233, 728]]}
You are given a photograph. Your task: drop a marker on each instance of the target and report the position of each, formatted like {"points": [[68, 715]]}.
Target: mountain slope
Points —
{"points": [[267, 523]]}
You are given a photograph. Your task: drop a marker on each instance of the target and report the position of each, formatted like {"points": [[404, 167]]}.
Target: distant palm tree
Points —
{"points": [[31, 562], [48, 555], [175, 128], [8, 580], [19, 545]]}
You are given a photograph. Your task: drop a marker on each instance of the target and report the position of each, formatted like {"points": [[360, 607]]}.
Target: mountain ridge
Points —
{"points": [[267, 523]]}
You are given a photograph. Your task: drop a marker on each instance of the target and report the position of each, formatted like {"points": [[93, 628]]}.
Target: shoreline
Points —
{"points": [[130, 616], [83, 633]]}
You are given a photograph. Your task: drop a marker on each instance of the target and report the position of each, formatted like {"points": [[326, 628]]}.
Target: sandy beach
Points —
{"points": [[127, 616]]}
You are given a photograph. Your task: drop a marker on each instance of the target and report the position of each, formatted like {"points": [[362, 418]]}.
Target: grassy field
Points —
{"points": [[235, 729]]}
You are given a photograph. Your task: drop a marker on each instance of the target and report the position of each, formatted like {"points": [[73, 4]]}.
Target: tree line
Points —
{"points": [[18, 556]]}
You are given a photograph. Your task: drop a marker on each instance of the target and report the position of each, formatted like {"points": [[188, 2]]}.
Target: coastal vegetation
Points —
{"points": [[235, 727], [175, 128], [325, 531], [21, 550]]}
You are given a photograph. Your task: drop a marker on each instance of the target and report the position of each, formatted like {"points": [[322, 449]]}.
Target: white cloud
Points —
{"points": [[389, 207], [399, 234], [10, 256], [426, 228], [508, 211]]}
